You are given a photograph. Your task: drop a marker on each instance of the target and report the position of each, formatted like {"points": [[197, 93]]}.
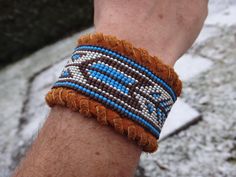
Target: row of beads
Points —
{"points": [[129, 61], [94, 56], [87, 72], [112, 104]]}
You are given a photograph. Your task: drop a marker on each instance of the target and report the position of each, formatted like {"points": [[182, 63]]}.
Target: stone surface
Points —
{"points": [[217, 6], [15, 95], [216, 50], [207, 148], [224, 18], [208, 31], [189, 66], [181, 116]]}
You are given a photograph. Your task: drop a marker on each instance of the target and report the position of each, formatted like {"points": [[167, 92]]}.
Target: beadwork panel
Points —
{"points": [[119, 83]]}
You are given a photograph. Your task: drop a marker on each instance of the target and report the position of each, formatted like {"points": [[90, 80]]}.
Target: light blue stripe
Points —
{"points": [[75, 56], [150, 108], [65, 74], [156, 95], [148, 72], [133, 116], [113, 72], [109, 81]]}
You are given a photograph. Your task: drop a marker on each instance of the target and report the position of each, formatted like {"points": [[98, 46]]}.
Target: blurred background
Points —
{"points": [[26, 26], [199, 136]]}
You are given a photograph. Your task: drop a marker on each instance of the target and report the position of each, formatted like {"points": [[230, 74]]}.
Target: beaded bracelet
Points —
{"points": [[119, 85]]}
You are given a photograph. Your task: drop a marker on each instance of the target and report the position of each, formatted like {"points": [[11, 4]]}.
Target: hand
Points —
{"points": [[166, 28]]}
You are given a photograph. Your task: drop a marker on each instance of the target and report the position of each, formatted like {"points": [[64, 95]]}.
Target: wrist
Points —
{"points": [[139, 38]]}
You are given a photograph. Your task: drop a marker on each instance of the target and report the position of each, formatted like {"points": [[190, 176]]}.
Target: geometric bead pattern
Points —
{"points": [[119, 83]]}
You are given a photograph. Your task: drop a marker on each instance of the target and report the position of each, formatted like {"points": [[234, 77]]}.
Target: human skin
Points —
{"points": [[69, 144], [167, 28]]}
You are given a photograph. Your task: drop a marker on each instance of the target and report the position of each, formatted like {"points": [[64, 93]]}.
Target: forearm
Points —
{"points": [[71, 145], [166, 28]]}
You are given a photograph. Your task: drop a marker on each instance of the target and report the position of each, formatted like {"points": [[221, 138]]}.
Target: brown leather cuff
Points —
{"points": [[105, 115]]}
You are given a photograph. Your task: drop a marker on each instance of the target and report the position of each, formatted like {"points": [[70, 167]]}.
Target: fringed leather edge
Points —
{"points": [[105, 116]]}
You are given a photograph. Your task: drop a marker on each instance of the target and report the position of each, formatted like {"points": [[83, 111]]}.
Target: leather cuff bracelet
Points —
{"points": [[120, 85]]}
